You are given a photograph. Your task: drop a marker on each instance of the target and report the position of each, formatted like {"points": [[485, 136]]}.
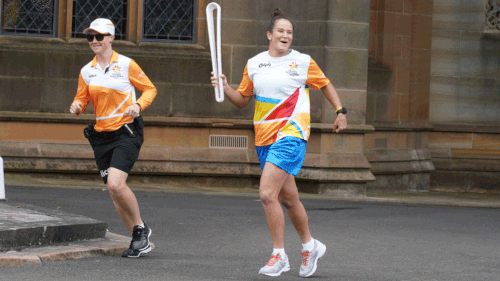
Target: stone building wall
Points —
{"points": [[39, 78], [398, 94], [465, 95]]}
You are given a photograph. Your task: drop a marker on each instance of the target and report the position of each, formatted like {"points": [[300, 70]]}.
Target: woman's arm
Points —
{"points": [[332, 96], [234, 96]]}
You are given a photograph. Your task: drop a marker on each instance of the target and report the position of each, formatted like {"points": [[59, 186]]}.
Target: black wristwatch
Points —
{"points": [[342, 110]]}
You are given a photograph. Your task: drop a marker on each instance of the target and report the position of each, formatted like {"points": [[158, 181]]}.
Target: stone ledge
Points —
{"points": [[111, 244], [29, 151], [466, 128], [42, 117], [399, 161], [464, 153], [388, 155], [460, 159], [24, 225], [405, 127], [72, 158], [80, 45]]}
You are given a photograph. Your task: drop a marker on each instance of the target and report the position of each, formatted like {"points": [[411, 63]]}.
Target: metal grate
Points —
{"points": [[85, 11], [171, 20], [227, 141], [28, 17]]}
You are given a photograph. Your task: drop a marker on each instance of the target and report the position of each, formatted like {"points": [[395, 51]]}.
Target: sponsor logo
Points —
{"points": [[292, 71], [264, 65], [104, 172], [116, 72], [92, 75]]}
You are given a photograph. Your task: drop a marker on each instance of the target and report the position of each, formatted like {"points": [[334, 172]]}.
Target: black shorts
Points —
{"points": [[118, 149]]}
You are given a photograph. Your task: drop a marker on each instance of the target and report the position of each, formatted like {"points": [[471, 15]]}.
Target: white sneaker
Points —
{"points": [[276, 265], [310, 259]]}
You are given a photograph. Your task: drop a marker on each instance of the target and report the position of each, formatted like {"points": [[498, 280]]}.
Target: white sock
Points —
{"points": [[142, 225], [309, 246], [279, 251]]}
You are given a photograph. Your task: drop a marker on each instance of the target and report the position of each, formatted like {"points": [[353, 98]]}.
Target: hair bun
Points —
{"points": [[278, 13]]}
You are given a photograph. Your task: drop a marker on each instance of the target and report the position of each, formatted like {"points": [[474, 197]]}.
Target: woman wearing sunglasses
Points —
{"points": [[116, 138]]}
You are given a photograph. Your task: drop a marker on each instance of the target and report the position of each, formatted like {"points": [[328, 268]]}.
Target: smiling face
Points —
{"points": [[100, 47], [281, 38]]}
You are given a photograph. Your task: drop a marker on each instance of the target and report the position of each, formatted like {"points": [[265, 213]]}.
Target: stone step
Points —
{"points": [[24, 225]]}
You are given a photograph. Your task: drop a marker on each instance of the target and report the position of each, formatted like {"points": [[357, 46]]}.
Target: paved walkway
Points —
{"points": [[112, 244]]}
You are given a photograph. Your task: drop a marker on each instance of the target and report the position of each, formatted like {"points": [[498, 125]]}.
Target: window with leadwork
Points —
{"points": [[169, 20], [28, 17], [85, 11]]}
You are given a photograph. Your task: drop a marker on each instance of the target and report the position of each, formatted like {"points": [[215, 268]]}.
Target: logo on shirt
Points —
{"points": [[264, 64], [292, 71], [116, 72], [92, 75]]}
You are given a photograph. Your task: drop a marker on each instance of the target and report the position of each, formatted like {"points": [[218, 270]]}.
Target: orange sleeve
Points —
{"points": [[315, 77], [246, 85], [82, 93], [139, 79]]}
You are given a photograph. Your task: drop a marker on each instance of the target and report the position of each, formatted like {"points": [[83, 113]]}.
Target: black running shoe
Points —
{"points": [[140, 242]]}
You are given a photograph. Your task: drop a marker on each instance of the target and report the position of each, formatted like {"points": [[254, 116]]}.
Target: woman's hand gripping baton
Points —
{"points": [[216, 58]]}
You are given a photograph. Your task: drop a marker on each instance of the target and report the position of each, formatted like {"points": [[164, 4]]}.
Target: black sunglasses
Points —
{"points": [[98, 36]]}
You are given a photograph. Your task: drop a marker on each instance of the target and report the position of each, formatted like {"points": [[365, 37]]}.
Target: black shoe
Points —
{"points": [[140, 242]]}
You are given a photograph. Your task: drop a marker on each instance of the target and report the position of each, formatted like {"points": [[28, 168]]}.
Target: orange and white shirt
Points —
{"points": [[111, 90], [280, 86]]}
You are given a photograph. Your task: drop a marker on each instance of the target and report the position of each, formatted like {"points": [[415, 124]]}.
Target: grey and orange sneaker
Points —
{"points": [[276, 265], [310, 259]]}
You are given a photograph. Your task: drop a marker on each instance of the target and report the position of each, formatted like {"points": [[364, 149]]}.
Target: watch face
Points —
{"points": [[343, 111]]}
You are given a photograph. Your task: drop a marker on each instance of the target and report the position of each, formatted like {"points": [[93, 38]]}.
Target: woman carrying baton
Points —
{"points": [[279, 79], [108, 81]]}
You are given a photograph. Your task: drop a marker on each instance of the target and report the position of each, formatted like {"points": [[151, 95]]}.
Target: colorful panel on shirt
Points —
{"points": [[263, 106]]}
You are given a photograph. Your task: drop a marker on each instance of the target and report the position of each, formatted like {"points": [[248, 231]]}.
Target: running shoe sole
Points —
{"points": [[284, 269]]}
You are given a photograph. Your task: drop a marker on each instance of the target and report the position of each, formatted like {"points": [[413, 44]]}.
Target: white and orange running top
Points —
{"points": [[111, 90], [280, 86]]}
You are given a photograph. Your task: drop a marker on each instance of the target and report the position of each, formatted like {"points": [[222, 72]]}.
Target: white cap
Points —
{"points": [[102, 26]]}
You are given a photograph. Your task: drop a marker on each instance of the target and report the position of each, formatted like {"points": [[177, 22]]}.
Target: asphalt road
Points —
{"points": [[214, 237]]}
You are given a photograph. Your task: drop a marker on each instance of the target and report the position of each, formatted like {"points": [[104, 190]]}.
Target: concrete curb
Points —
{"points": [[112, 244]]}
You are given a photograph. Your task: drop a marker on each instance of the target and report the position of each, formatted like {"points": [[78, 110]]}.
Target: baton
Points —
{"points": [[216, 58]]}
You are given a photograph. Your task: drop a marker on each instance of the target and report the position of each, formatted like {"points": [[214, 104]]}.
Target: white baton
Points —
{"points": [[216, 58]]}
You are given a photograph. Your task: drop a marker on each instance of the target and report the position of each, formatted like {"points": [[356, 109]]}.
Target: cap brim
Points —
{"points": [[86, 31]]}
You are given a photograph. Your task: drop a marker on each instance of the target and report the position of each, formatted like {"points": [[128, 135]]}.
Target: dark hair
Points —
{"points": [[277, 15]]}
